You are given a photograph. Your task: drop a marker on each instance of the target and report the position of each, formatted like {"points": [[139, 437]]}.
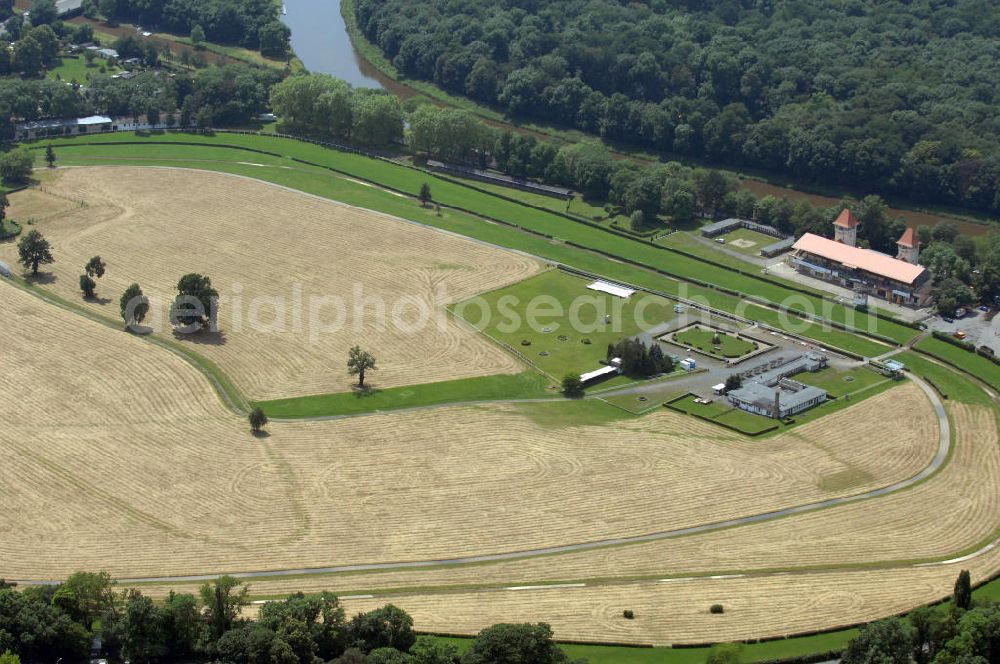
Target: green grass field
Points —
{"points": [[704, 339], [755, 652], [954, 385], [723, 412], [76, 69], [557, 315], [980, 367], [526, 385], [540, 221], [838, 383], [748, 242]]}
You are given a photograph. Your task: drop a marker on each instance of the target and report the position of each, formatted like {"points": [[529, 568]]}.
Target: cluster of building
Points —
{"points": [[900, 279], [767, 390]]}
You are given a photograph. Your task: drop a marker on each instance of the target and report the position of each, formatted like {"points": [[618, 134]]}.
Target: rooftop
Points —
{"points": [[861, 259], [846, 219], [54, 123], [791, 394], [909, 239]]}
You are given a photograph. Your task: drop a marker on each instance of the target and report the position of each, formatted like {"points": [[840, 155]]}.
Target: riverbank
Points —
{"points": [[968, 222]]}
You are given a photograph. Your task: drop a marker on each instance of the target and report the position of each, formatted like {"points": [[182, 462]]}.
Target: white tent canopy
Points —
{"points": [[611, 289]]}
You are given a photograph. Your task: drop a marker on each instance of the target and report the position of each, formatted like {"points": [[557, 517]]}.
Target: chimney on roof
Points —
{"points": [[908, 247], [776, 410], [845, 228]]}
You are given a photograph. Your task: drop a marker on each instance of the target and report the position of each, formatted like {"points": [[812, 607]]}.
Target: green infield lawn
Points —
{"points": [[558, 324], [713, 342], [838, 383], [525, 385], [723, 412]]}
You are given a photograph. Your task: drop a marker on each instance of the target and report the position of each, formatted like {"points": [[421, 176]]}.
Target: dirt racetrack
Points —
{"points": [[120, 457], [273, 255]]}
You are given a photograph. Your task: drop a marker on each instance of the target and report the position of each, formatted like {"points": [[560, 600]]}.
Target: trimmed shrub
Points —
{"points": [[717, 608], [629, 614]]}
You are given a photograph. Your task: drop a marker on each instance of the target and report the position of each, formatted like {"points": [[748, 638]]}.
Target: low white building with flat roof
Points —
{"points": [[26, 131]]}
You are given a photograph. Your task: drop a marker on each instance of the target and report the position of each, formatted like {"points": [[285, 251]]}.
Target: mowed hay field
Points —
{"points": [[677, 611], [257, 240], [118, 456]]}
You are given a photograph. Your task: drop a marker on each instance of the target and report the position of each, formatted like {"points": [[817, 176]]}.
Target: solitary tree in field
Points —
{"points": [[33, 250], [134, 305], [572, 386], [963, 590], [50, 156], [358, 362], [425, 194], [95, 267], [258, 420], [87, 285], [195, 303]]}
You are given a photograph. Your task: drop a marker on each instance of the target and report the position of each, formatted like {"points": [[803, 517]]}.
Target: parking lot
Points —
{"points": [[981, 328]]}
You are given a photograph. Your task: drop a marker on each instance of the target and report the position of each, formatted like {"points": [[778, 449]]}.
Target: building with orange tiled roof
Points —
{"points": [[900, 280]]}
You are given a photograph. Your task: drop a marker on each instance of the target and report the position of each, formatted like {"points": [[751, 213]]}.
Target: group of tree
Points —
{"points": [[94, 269], [638, 359], [251, 23], [323, 106], [213, 96], [961, 632], [787, 87], [49, 623]]}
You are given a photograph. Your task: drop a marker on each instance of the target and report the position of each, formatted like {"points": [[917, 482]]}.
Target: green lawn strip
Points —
{"points": [[684, 241], [970, 362], [409, 180], [322, 183], [229, 394], [525, 385], [565, 413], [952, 383]]}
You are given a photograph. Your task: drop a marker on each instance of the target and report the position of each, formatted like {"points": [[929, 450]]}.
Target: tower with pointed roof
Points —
{"points": [[845, 228], [908, 247]]}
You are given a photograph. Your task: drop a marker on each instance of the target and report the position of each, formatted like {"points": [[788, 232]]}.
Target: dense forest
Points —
{"points": [[897, 97], [249, 23]]}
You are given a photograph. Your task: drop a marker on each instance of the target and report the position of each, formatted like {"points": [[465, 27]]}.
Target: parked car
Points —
{"points": [[960, 335], [984, 309], [960, 312], [948, 319]]}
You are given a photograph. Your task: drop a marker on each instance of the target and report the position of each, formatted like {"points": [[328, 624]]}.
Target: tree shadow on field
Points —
{"points": [[98, 300], [201, 337], [260, 434], [40, 279]]}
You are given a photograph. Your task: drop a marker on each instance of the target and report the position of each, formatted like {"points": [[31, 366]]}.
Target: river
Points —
{"points": [[320, 40]]}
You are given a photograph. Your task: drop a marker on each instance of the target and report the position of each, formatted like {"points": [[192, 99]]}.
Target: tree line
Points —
{"points": [[895, 97], [59, 622]]}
